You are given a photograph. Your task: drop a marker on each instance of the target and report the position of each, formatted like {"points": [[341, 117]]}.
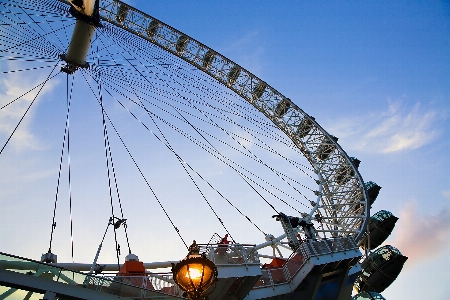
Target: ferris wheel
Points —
{"points": [[206, 126]]}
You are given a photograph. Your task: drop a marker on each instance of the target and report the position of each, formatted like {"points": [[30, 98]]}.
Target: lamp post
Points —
{"points": [[195, 274]]}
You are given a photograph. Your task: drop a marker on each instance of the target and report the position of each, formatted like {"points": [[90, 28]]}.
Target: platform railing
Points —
{"points": [[230, 254], [307, 250], [136, 286], [155, 286]]}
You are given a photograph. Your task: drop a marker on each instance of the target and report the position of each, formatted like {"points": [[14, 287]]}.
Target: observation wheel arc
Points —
{"points": [[319, 147], [342, 190]]}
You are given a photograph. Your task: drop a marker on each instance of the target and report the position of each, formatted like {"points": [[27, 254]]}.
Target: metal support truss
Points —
{"points": [[343, 195]]}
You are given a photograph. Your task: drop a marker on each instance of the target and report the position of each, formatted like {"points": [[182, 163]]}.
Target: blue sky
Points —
{"points": [[375, 74]]}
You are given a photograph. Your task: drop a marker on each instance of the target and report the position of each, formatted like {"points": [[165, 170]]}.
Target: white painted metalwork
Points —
{"points": [[341, 196]]}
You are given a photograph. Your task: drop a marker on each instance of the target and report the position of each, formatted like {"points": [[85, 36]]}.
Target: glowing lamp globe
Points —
{"points": [[195, 274]]}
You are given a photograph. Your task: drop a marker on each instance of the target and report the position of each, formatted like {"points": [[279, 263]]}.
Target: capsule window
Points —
{"points": [[282, 107], [181, 43], [233, 74], [152, 28], [305, 127], [208, 58], [122, 13]]}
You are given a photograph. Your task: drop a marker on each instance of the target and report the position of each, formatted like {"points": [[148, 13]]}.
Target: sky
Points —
{"points": [[376, 74]]}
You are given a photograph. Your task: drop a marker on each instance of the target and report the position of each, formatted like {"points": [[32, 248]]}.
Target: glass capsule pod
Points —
{"points": [[208, 58], [233, 74], [368, 296], [259, 89], [122, 13], [305, 127], [380, 269], [381, 225], [181, 43], [152, 28], [326, 147], [373, 190], [282, 107], [344, 173]]}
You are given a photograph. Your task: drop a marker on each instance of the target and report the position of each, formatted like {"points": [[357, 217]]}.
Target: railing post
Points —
{"points": [[311, 243], [270, 279], [287, 274], [328, 247]]}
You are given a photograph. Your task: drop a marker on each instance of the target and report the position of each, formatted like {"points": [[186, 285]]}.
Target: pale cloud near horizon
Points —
{"points": [[246, 51], [422, 237], [11, 88], [446, 194], [398, 128]]}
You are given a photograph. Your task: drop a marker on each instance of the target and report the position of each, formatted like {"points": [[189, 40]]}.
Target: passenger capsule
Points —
{"points": [[208, 58], [380, 269], [381, 225], [233, 74], [305, 127], [344, 173], [326, 147], [122, 13], [259, 89], [368, 296], [373, 190], [181, 43], [282, 107], [152, 28]]}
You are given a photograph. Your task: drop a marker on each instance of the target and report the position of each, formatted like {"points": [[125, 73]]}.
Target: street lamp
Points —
{"points": [[195, 274]]}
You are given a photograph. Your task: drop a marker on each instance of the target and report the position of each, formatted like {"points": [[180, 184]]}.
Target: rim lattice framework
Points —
{"points": [[343, 197]]}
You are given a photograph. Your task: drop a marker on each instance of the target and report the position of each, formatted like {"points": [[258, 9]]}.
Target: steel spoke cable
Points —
{"points": [[147, 74], [30, 35], [223, 159], [167, 144], [175, 100], [241, 174], [35, 38], [198, 131], [68, 160], [26, 58], [194, 170], [29, 91], [135, 163], [106, 142], [138, 104], [170, 56], [111, 159], [172, 106], [108, 158], [28, 108], [255, 156], [167, 95], [57, 6], [212, 151], [292, 146], [28, 69], [206, 121], [66, 128], [179, 159], [38, 24], [228, 132], [286, 194]]}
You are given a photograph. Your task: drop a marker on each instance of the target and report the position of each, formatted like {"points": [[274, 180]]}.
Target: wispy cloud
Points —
{"points": [[13, 87], [446, 194], [422, 237], [398, 128], [246, 51]]}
